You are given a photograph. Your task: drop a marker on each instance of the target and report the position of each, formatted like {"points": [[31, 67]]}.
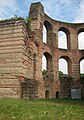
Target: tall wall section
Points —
{"points": [[15, 61], [21, 52], [51, 51]]}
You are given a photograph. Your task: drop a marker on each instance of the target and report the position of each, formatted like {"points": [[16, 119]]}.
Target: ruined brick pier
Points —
{"points": [[21, 51]]}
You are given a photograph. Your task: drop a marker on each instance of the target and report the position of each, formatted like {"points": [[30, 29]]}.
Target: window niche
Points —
{"points": [[64, 39]]}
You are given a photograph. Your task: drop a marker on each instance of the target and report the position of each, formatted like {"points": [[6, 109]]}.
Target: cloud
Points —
{"points": [[79, 15], [61, 10], [57, 9], [52, 8], [8, 8]]}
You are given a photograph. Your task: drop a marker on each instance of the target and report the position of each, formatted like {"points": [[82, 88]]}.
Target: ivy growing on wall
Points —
{"points": [[28, 21]]}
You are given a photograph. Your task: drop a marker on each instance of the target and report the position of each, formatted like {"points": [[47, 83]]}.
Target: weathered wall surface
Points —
{"points": [[21, 52], [29, 89], [11, 42], [51, 51], [15, 62]]}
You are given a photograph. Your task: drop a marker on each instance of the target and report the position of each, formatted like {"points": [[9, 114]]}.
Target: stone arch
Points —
{"points": [[48, 62], [49, 66], [44, 35], [44, 63], [81, 39], [80, 30], [48, 25], [68, 63], [47, 94], [81, 58], [47, 30], [66, 35]]}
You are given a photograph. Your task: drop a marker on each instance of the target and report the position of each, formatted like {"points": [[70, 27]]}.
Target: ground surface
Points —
{"points": [[54, 109]]}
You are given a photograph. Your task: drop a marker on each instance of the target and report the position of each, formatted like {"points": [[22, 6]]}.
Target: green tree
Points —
{"points": [[61, 74], [28, 21]]}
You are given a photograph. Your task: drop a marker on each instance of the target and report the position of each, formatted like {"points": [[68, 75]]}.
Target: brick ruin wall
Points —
{"points": [[15, 61], [21, 52], [29, 89]]}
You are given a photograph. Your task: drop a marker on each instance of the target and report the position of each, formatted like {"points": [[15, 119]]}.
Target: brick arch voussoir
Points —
{"points": [[48, 25], [47, 55], [81, 58], [64, 29], [67, 58], [80, 29]]}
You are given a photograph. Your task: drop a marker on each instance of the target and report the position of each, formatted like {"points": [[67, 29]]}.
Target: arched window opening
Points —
{"points": [[63, 66], [47, 66], [44, 63], [47, 29], [82, 67], [57, 94], [62, 40], [44, 34], [81, 41], [47, 94]]}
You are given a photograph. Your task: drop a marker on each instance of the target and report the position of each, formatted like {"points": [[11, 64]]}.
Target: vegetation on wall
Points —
{"points": [[64, 78], [82, 75], [82, 78], [44, 74], [60, 74], [12, 19], [47, 75], [27, 20]]}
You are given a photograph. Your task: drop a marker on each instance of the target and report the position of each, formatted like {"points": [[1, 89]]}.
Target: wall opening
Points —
{"points": [[81, 41], [44, 63], [47, 28], [82, 67], [57, 94], [44, 35], [62, 40], [63, 66], [47, 66], [47, 94]]}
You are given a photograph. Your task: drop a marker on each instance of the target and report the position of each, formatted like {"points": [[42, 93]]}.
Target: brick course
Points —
{"points": [[21, 52]]}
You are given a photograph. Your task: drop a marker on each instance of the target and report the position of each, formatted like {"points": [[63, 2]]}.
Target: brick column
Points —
{"points": [[75, 71], [74, 40], [74, 50]]}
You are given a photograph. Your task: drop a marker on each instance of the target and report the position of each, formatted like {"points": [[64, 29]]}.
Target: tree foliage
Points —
{"points": [[28, 21], [60, 74]]}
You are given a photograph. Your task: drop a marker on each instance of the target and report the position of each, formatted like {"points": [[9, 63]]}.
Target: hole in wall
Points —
{"points": [[44, 35], [47, 94], [81, 41], [63, 66], [62, 40]]}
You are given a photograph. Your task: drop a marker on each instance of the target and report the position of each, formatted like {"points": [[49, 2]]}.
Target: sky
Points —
{"points": [[62, 10]]}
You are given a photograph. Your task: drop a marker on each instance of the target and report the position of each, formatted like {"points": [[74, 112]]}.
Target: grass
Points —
{"points": [[53, 109]]}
